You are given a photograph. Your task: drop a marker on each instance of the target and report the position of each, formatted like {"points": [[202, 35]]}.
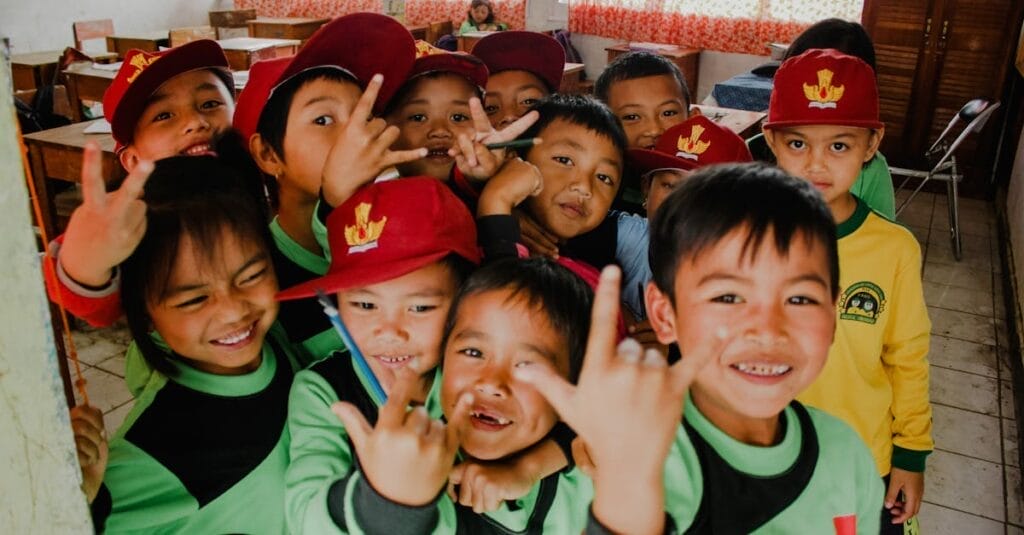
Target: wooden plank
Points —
{"points": [[232, 18]]}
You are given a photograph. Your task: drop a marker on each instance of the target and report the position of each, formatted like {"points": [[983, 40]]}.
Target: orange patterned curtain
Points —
{"points": [[309, 8], [725, 25], [511, 12]]}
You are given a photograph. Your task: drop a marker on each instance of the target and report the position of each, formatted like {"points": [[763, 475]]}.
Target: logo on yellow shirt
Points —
{"points": [[692, 147], [862, 301], [823, 95], [364, 234]]}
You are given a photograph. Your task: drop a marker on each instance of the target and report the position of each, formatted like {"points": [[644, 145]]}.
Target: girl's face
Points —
{"points": [[219, 306], [496, 332], [434, 112], [480, 13], [318, 112], [397, 320]]}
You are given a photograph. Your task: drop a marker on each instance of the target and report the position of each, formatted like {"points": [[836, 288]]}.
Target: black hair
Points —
{"points": [[477, 3], [199, 197], [581, 110], [638, 64], [850, 38], [273, 122], [718, 199], [403, 92], [563, 297]]}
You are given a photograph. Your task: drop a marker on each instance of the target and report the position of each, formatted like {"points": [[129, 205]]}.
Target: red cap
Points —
{"points": [[693, 143], [142, 73], [533, 52], [355, 44], [391, 228], [430, 58], [824, 86]]}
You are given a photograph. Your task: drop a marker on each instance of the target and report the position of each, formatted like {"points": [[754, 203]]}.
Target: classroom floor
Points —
{"points": [[973, 482]]}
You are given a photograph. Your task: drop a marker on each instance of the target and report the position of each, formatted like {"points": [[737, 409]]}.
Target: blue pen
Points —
{"points": [[332, 313]]}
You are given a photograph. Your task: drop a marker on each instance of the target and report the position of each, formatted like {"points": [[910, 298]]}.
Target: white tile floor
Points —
{"points": [[973, 482]]}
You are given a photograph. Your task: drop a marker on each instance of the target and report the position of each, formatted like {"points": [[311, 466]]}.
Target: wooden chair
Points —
{"points": [[437, 29], [85, 30], [180, 36]]}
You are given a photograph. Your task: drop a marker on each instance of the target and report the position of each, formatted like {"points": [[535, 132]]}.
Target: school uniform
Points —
{"points": [[202, 453]]}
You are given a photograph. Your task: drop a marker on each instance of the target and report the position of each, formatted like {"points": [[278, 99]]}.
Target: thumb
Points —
{"points": [[355, 423], [460, 414], [554, 388], [892, 494]]}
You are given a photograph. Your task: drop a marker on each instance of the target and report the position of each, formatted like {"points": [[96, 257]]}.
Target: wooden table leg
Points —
{"points": [[73, 97], [62, 354]]}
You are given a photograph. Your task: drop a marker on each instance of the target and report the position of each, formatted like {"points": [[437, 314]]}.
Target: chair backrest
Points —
{"points": [[232, 18], [438, 29], [85, 30], [180, 36]]}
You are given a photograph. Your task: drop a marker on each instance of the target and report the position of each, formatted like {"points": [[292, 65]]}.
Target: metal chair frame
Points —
{"points": [[975, 113]]}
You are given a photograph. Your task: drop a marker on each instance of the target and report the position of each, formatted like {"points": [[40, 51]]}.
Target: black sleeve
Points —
{"points": [[563, 435], [498, 236], [595, 527], [377, 514], [336, 502], [100, 509]]}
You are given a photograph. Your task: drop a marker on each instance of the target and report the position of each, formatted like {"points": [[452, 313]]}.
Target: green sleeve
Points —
{"points": [[466, 27], [320, 227], [320, 455], [874, 187]]}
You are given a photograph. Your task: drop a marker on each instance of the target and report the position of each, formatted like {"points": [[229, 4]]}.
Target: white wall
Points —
{"points": [[544, 15], [37, 25]]}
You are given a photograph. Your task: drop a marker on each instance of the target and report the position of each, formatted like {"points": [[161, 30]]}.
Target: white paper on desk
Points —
{"points": [[108, 66], [98, 127]]}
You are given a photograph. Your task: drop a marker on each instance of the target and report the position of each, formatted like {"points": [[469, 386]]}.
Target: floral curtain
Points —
{"points": [[308, 8], [511, 12], [745, 26]]}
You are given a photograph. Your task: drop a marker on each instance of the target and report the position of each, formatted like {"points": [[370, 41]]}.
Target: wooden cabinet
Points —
{"points": [[932, 57]]}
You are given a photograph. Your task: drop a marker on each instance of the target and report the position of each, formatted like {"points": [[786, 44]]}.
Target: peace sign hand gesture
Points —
{"points": [[473, 158]]}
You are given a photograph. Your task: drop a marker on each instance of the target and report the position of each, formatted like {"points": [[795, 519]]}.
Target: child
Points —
{"points": [[205, 446], [293, 112], [874, 184], [745, 280], [508, 315], [160, 104], [524, 67], [823, 126], [480, 18], [432, 108], [694, 143]]}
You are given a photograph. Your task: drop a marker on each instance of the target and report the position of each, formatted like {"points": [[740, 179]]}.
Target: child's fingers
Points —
{"points": [[553, 387], [892, 493], [459, 418], [355, 423], [603, 319], [481, 124], [364, 107], [538, 248], [515, 129], [395, 157], [693, 361], [467, 149], [581, 457], [94, 188], [466, 493], [133, 187], [393, 413]]}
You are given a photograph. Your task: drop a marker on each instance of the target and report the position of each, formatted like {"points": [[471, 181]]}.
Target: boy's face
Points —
{"points": [[659, 184], [829, 157], [217, 311], [582, 171], [185, 116], [396, 320], [496, 332], [433, 113], [647, 107], [510, 94], [778, 315], [320, 109]]}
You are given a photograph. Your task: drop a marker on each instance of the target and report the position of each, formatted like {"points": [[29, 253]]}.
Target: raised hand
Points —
{"points": [[484, 485], [473, 158], [537, 239], [625, 407], [107, 227], [517, 180], [91, 444], [362, 149], [407, 456]]}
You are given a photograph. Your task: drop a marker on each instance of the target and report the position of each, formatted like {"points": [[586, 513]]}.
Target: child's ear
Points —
{"points": [[874, 142], [129, 158], [265, 155], [660, 313], [694, 111], [769, 139]]}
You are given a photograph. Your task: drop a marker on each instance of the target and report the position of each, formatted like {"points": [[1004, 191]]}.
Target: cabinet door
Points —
{"points": [[901, 31]]}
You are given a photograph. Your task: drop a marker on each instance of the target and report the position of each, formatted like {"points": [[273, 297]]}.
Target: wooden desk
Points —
{"points": [[743, 122], [571, 78], [56, 154], [418, 31], [687, 59], [284, 28], [86, 82], [242, 52], [34, 69], [469, 40], [145, 41]]}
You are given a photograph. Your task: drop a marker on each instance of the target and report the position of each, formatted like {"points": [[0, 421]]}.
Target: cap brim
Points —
{"points": [[464, 65], [837, 122], [645, 160], [359, 276], [503, 51]]}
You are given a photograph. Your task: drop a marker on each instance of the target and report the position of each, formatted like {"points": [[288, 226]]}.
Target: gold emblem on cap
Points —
{"points": [[823, 95], [140, 62], [692, 147], [364, 234]]}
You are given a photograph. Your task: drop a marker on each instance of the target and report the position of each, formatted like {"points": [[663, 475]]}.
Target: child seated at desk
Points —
{"points": [[480, 18]]}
